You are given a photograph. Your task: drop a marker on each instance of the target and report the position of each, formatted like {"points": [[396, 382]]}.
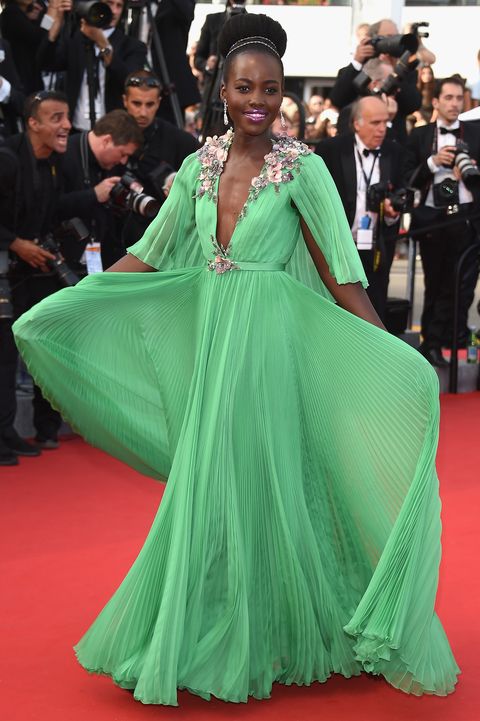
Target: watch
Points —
{"points": [[105, 52]]}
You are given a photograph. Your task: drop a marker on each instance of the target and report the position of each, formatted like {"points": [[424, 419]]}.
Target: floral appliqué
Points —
{"points": [[221, 263], [277, 167]]}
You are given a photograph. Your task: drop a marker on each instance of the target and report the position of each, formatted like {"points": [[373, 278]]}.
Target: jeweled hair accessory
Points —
{"points": [[254, 40]]}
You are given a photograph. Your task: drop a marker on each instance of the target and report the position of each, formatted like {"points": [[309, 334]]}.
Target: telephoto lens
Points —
{"points": [[96, 14]]}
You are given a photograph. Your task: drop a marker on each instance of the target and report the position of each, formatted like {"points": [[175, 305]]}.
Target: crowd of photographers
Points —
{"points": [[94, 114]]}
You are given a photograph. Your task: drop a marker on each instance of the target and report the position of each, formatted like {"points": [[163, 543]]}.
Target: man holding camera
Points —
{"points": [[441, 160], [347, 87], [29, 187], [92, 168], [367, 169], [165, 147], [107, 52]]}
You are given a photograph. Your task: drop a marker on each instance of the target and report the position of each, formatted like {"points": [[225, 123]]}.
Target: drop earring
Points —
{"points": [[283, 122], [225, 109]]}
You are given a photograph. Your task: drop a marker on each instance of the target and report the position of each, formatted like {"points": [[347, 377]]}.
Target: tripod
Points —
{"points": [[137, 8]]}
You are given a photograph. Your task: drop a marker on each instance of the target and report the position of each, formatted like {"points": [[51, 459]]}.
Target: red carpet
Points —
{"points": [[72, 522]]}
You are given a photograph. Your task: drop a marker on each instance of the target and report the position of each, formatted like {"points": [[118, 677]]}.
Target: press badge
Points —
{"points": [[365, 234], [93, 258]]}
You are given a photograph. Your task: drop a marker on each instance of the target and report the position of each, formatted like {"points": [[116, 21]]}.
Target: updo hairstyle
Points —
{"points": [[261, 33]]}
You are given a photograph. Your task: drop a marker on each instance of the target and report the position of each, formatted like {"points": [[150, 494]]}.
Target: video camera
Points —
{"points": [[402, 199], [128, 194], [71, 229], [96, 14]]}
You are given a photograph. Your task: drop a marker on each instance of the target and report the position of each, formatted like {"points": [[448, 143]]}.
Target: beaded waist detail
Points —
{"points": [[221, 264]]}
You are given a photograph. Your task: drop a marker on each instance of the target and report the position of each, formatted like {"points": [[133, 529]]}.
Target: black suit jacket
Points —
{"points": [[173, 20], [68, 54], [408, 98], [12, 109], [24, 36], [338, 154], [419, 148], [20, 214], [208, 42]]}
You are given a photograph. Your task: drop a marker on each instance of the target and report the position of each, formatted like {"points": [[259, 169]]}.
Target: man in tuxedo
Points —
{"points": [[407, 96], [358, 162], [113, 54], [446, 197], [164, 149]]}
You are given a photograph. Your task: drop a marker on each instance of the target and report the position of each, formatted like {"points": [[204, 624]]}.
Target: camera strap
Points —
{"points": [[435, 138], [369, 179], [86, 177]]}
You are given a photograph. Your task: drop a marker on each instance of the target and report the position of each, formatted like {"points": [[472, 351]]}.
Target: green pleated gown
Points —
{"points": [[299, 532]]}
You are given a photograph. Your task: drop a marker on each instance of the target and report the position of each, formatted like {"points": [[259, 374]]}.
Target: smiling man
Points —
{"points": [[165, 146], [28, 209]]}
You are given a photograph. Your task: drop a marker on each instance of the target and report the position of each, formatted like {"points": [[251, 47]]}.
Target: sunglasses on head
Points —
{"points": [[136, 82]]}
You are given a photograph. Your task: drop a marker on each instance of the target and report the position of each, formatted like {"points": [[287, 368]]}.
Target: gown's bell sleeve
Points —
{"points": [[315, 195], [170, 240]]}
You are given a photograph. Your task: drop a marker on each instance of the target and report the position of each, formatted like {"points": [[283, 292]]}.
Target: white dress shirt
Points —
{"points": [[81, 116], [439, 171], [369, 162]]}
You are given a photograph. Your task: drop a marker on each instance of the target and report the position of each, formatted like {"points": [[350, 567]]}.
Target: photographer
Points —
{"points": [[165, 146], [406, 94], [367, 170], [441, 160], [112, 54], [29, 187], [92, 167], [25, 24]]}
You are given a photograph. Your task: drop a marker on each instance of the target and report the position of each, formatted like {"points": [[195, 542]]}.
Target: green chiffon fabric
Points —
{"points": [[299, 532]]}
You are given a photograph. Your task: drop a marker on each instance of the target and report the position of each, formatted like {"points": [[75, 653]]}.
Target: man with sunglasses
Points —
{"points": [[114, 56], [29, 190], [164, 149]]}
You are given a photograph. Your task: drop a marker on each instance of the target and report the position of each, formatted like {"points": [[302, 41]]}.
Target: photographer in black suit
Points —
{"points": [[29, 189], [449, 184], [164, 149], [358, 162], [114, 56], [407, 96], [92, 166]]}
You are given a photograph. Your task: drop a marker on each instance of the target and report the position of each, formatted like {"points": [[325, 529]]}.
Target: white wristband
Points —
{"points": [[46, 23]]}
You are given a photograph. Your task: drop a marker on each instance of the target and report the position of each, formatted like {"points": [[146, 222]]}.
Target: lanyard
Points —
{"points": [[369, 179]]}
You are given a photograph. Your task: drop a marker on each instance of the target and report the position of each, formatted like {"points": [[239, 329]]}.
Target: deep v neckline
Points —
{"points": [[278, 166], [225, 249]]}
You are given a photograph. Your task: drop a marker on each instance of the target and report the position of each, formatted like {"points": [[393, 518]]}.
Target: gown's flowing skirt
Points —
{"points": [[299, 533]]}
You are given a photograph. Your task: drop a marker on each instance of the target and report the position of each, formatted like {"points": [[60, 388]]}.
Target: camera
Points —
{"points": [[6, 308], [395, 45], [402, 199], [128, 194], [52, 242], [468, 169], [96, 14], [446, 193]]}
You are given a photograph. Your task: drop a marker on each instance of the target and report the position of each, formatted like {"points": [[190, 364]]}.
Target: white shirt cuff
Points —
{"points": [[46, 23], [358, 66], [5, 89], [431, 165], [390, 221]]}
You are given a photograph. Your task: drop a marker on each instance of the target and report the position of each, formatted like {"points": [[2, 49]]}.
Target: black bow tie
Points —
{"points": [[367, 152], [444, 131]]}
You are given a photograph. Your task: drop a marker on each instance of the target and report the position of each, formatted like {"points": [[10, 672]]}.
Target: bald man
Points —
{"points": [[357, 161]]}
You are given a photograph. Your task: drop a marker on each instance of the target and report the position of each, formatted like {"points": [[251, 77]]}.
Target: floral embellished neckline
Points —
{"points": [[277, 168]]}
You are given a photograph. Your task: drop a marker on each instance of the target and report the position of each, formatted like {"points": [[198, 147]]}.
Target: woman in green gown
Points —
{"points": [[299, 532]]}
